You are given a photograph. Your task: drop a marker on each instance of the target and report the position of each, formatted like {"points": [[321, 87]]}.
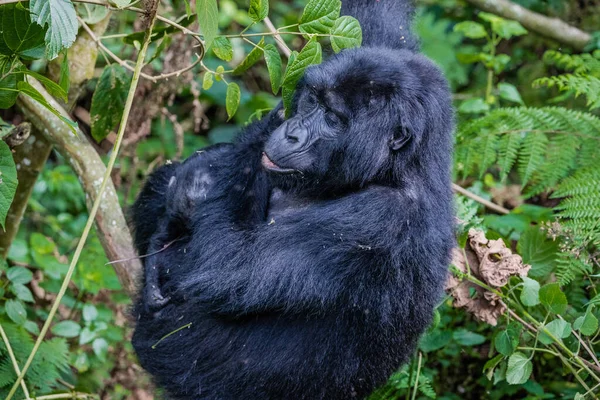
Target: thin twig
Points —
{"points": [[280, 43], [473, 196], [416, 388], [11, 354], [515, 316], [585, 346], [95, 207]]}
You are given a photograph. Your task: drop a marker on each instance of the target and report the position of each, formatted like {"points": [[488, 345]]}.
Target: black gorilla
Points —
{"points": [[304, 260]]}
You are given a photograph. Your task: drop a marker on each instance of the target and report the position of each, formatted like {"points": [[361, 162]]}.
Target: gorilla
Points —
{"points": [[304, 260]]}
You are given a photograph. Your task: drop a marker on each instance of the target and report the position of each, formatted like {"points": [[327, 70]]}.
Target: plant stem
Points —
{"points": [[11, 354], [94, 210], [416, 388]]}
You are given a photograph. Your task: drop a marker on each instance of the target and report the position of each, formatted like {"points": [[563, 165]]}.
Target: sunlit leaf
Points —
{"points": [[274, 66], [60, 18], [346, 33], [319, 16], [232, 100], [8, 180], [259, 10], [222, 48], [208, 19]]}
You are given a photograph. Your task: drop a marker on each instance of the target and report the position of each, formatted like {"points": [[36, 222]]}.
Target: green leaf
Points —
{"points": [[435, 340], [587, 324], [491, 364], [92, 14], [530, 295], [207, 80], [559, 328], [467, 338], [26, 88], [503, 27], [121, 3], [222, 48], [19, 275], [251, 59], [474, 106], [22, 292], [208, 18], [538, 251], [506, 341], [8, 180], [552, 297], [471, 29], [510, 93], [31, 327], [232, 100], [346, 33], [52, 87], [259, 10], [90, 313], [16, 311], [519, 369], [10, 75], [64, 81], [108, 100], [100, 347], [219, 73], [274, 66], [319, 16], [86, 336], [310, 54], [19, 35], [61, 20], [68, 329]]}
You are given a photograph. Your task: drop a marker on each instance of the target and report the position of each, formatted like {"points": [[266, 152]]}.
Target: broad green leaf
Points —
{"points": [[60, 18], [8, 180], [274, 66], [471, 29], [503, 27], [52, 87], [474, 106], [90, 313], [538, 251], [510, 93], [31, 327], [22, 292], [222, 48], [19, 275], [587, 324], [530, 295], [219, 73], [16, 311], [90, 13], [19, 35], [108, 100], [319, 16], [519, 369], [251, 59], [208, 19], [9, 78], [26, 88], [207, 80], [232, 100], [507, 340], [310, 54], [259, 10], [86, 336], [121, 3], [467, 338], [346, 33], [68, 329], [64, 80], [100, 347], [552, 297], [491, 365], [558, 328], [434, 340]]}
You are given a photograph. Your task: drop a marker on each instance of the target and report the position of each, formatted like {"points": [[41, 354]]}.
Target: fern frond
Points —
{"points": [[532, 155], [579, 84]]}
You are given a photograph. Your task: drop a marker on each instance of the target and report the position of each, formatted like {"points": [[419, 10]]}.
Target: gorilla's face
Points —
{"points": [[356, 118]]}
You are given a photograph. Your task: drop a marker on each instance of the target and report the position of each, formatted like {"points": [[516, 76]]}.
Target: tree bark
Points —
{"points": [[552, 28], [78, 151]]}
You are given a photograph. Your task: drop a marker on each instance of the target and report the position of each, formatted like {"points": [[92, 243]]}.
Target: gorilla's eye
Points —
{"points": [[311, 99], [332, 119]]}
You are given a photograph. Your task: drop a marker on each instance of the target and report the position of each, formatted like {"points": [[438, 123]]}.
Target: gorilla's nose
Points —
{"points": [[295, 134]]}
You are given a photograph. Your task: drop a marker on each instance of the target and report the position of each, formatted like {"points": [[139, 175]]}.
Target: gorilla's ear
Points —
{"points": [[400, 138]]}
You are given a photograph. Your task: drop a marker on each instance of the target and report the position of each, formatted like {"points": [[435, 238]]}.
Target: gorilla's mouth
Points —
{"points": [[271, 166]]}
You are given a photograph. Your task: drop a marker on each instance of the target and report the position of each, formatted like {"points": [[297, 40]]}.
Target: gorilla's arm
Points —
{"points": [[308, 259]]}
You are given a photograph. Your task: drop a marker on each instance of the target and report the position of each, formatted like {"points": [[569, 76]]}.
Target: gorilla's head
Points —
{"points": [[366, 115]]}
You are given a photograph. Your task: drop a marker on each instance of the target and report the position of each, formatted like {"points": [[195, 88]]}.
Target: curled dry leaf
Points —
{"points": [[491, 262]]}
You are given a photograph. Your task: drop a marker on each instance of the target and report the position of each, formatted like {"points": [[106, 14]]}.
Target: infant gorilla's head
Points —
{"points": [[364, 116]]}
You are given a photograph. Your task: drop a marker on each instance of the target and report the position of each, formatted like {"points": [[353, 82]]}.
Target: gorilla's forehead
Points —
{"points": [[367, 72]]}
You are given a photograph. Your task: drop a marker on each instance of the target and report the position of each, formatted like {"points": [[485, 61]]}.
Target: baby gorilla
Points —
{"points": [[306, 258]]}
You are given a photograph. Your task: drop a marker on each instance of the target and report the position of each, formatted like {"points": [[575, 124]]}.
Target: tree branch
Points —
{"points": [[552, 28]]}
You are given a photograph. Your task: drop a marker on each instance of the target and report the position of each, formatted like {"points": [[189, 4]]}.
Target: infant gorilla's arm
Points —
{"points": [[163, 212]]}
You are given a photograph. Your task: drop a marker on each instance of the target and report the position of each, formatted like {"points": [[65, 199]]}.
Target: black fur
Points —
{"points": [[311, 271]]}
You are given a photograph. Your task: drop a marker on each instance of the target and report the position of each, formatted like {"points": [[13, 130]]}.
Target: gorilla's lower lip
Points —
{"points": [[271, 166]]}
